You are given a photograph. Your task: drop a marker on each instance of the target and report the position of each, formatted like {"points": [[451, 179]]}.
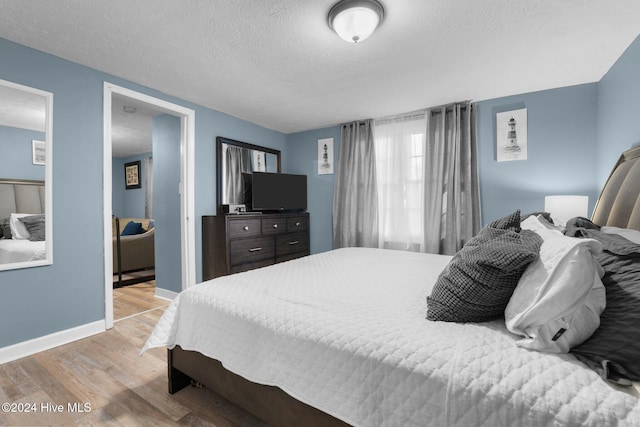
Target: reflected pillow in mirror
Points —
{"points": [[35, 226], [18, 229], [5, 229]]}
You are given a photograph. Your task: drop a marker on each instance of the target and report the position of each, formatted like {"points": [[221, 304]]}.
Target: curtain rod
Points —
{"points": [[438, 109], [417, 114], [358, 122]]}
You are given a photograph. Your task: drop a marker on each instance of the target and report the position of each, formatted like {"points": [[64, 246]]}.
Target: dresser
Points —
{"points": [[233, 243]]}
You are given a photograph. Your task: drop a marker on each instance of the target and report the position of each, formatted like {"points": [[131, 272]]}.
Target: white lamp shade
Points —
{"points": [[355, 24], [563, 208]]}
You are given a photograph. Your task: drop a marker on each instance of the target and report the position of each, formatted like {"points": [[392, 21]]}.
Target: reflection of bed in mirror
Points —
{"points": [[22, 198]]}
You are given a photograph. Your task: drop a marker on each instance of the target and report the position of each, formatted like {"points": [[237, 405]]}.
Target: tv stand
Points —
{"points": [[232, 243]]}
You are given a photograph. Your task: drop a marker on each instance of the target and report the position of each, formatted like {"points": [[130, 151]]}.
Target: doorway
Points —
{"points": [[143, 107]]}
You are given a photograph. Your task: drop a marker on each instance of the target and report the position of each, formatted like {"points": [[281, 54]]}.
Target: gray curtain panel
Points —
{"points": [[355, 200], [452, 194], [237, 161]]}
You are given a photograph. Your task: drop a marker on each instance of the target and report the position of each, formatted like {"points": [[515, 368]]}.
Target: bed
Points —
{"points": [[20, 198], [341, 338]]}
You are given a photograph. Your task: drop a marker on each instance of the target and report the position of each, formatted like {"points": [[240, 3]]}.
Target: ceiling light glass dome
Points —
{"points": [[355, 20]]}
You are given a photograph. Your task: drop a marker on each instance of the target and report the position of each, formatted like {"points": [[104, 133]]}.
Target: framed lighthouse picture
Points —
{"points": [[511, 135]]}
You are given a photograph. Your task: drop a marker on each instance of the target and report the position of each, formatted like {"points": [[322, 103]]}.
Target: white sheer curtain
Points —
{"points": [[400, 147], [427, 179]]}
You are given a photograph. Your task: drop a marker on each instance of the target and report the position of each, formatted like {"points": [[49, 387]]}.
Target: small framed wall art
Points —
{"points": [[38, 152], [132, 175], [259, 161], [325, 156], [511, 135]]}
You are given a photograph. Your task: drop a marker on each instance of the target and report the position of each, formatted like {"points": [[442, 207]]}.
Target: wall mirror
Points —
{"points": [[235, 158], [26, 236]]}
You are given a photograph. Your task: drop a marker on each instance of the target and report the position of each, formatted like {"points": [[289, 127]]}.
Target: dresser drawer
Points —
{"points": [[274, 226], [297, 223], [249, 250], [233, 243], [298, 242], [243, 227]]}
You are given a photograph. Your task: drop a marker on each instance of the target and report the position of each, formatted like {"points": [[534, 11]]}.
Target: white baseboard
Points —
{"points": [[165, 294], [36, 345]]}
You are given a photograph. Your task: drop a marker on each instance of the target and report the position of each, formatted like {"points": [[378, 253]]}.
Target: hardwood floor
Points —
{"points": [[134, 299], [103, 380]]}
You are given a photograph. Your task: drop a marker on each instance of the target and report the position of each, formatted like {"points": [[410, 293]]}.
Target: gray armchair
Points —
{"points": [[137, 251]]}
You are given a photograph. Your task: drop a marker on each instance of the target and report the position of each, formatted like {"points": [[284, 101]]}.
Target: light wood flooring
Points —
{"points": [[134, 299], [103, 380]]}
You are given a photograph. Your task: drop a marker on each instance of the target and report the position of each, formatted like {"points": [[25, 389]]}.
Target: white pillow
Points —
{"points": [[627, 233], [559, 298], [18, 230]]}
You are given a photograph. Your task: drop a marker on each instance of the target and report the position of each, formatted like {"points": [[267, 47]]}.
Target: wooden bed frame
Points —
{"points": [[618, 205], [268, 403]]}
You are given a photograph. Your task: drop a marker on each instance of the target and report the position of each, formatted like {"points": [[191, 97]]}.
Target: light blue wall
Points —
{"points": [[38, 301], [618, 114], [302, 155], [166, 201], [16, 155], [561, 147], [561, 157], [128, 203]]}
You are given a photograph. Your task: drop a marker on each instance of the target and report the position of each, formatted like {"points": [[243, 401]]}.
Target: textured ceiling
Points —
{"points": [[131, 132], [276, 63], [22, 109]]}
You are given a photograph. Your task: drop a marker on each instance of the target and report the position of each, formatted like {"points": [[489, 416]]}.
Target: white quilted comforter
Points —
{"points": [[345, 331]]}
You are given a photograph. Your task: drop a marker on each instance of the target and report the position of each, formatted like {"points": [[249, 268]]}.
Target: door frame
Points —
{"points": [[186, 189]]}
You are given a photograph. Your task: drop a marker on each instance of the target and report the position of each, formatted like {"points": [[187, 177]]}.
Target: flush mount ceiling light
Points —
{"points": [[355, 20]]}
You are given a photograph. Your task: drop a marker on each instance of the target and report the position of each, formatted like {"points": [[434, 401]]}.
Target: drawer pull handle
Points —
{"points": [[255, 249], [294, 242], [298, 224], [275, 225], [245, 228]]}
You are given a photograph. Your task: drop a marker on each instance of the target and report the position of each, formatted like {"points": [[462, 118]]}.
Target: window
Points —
{"points": [[400, 149]]}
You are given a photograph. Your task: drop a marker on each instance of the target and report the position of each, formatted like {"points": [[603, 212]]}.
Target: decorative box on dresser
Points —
{"points": [[233, 243]]}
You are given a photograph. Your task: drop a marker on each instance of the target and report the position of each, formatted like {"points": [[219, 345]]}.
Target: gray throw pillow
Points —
{"points": [[479, 280], [35, 226], [6, 231], [509, 222]]}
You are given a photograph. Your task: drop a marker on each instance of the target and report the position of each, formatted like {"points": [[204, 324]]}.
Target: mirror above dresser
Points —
{"points": [[235, 158]]}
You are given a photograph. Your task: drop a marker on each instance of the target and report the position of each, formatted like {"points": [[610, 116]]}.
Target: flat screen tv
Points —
{"points": [[278, 192]]}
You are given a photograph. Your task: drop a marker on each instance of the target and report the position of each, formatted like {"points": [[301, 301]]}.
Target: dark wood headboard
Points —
{"points": [[619, 202]]}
